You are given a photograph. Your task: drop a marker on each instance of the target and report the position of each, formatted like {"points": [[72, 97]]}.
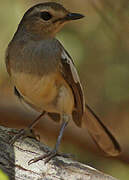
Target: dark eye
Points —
{"points": [[46, 15]]}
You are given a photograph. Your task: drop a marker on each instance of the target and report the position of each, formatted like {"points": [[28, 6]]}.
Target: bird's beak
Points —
{"points": [[73, 16]]}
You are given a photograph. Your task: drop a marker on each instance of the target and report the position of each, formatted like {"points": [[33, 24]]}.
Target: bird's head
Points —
{"points": [[47, 19]]}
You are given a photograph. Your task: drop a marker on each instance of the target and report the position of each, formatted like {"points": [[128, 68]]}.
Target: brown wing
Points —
{"points": [[7, 62], [100, 134], [70, 74]]}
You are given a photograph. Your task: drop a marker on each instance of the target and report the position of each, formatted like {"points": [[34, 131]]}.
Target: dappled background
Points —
{"points": [[99, 45]]}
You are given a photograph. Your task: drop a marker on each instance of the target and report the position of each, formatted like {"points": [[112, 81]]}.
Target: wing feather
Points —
{"points": [[70, 74]]}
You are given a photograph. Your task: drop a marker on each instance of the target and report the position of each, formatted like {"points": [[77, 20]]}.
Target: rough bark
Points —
{"points": [[14, 161]]}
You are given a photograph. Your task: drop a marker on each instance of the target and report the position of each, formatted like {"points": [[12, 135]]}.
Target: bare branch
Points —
{"points": [[14, 162]]}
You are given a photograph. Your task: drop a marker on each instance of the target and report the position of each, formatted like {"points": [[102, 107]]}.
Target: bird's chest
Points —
{"points": [[38, 90], [49, 92], [35, 71]]}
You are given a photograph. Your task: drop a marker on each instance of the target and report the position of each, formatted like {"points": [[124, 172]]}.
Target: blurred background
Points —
{"points": [[99, 45]]}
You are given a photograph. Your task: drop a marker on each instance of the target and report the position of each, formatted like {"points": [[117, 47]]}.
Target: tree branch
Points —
{"points": [[14, 162]]}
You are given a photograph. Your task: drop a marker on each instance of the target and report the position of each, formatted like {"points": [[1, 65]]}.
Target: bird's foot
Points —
{"points": [[23, 133], [48, 156]]}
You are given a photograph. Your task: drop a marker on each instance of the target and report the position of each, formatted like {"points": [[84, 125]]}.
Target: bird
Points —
{"points": [[44, 76]]}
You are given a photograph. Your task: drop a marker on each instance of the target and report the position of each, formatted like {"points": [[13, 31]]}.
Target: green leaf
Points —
{"points": [[3, 176]]}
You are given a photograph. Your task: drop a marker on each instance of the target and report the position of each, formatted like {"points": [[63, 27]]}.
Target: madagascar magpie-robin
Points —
{"points": [[45, 77]]}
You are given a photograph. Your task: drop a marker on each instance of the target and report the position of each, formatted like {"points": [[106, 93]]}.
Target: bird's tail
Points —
{"points": [[100, 134]]}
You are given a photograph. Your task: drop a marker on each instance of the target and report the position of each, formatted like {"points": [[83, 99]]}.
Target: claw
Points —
{"points": [[48, 156], [16, 137], [23, 133]]}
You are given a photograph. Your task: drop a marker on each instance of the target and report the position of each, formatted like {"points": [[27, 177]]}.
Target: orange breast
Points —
{"points": [[49, 92]]}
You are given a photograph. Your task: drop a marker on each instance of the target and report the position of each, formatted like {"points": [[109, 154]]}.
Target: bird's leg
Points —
{"points": [[27, 132], [48, 156]]}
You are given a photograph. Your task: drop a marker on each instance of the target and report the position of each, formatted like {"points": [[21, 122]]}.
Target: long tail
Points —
{"points": [[100, 134]]}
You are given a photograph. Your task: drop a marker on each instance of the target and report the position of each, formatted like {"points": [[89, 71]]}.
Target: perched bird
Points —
{"points": [[45, 77]]}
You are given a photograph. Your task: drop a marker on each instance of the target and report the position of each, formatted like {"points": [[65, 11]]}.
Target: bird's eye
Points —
{"points": [[46, 15]]}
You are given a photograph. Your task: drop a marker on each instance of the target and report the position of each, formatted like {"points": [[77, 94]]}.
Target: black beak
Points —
{"points": [[74, 16]]}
